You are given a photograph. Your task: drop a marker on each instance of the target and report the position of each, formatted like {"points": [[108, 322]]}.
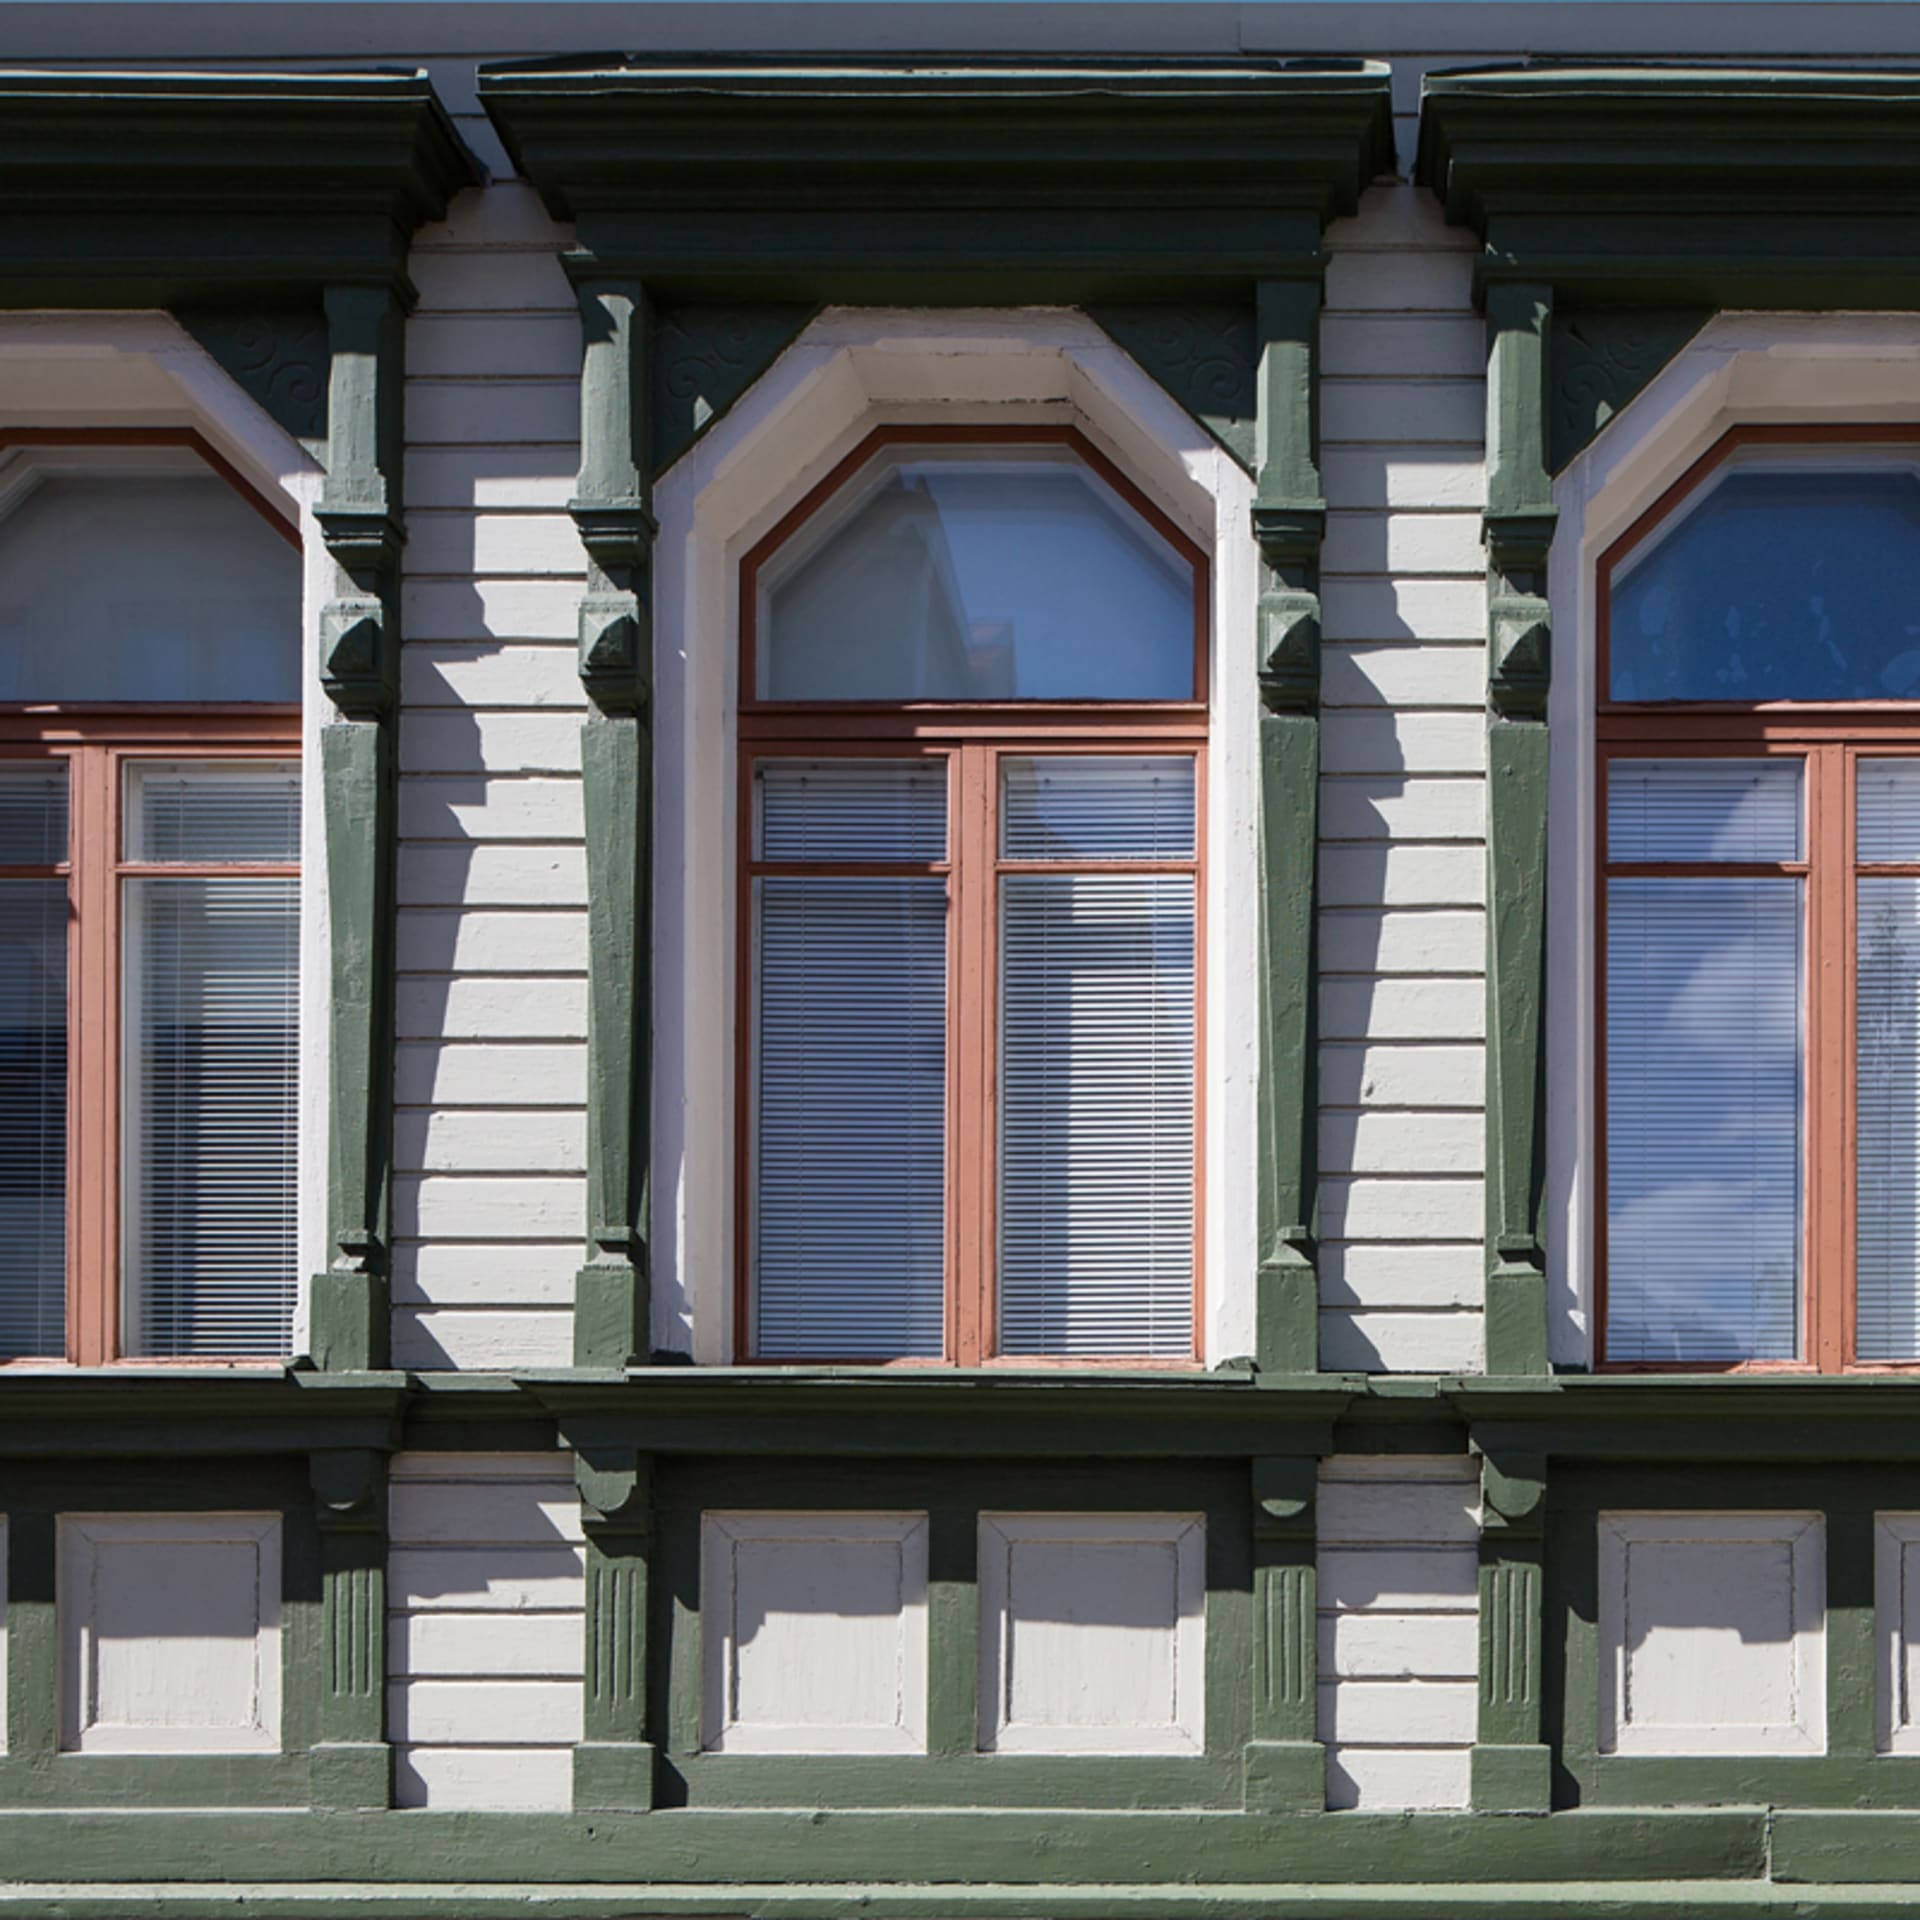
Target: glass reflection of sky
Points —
{"points": [[1016, 577], [1780, 585]]}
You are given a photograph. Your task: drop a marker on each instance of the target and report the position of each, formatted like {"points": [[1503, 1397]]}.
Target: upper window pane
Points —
{"points": [[1703, 810], [130, 579], [967, 574], [1780, 584]]}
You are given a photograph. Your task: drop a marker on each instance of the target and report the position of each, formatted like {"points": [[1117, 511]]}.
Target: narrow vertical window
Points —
{"points": [[972, 733]]}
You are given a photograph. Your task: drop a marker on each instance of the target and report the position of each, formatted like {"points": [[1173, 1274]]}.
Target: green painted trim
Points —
{"points": [[278, 355], [934, 1851], [1511, 1765], [1843, 1853], [1849, 1773], [1600, 360], [1285, 1765], [704, 358], [613, 1767], [1205, 357], [352, 1765], [1289, 521]]}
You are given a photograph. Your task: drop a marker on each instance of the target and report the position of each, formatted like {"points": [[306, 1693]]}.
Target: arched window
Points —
{"points": [[1760, 965], [972, 780], [149, 912]]}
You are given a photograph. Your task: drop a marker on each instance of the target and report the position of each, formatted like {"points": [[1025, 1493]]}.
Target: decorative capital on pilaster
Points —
{"points": [[349, 1484], [1285, 1487], [1513, 1491], [616, 1488]]}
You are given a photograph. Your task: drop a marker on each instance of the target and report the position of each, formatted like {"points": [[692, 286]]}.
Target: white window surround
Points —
{"points": [[119, 370], [850, 371], [1741, 369]]}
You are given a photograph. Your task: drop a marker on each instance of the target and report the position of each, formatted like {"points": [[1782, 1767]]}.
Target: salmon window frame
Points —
{"points": [[972, 740]]}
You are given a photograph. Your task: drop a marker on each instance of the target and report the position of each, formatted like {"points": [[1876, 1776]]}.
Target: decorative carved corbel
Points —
{"points": [[613, 1765], [351, 1763], [1289, 521], [1511, 1762], [1286, 1767], [612, 507]]}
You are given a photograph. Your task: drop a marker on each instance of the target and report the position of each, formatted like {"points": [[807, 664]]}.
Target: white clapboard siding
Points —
{"points": [[439, 875], [1387, 410], [1354, 1140], [1404, 674], [1372, 940], [1388, 806], [1408, 1075], [1427, 612], [442, 412], [442, 940], [1378, 1276], [1420, 477], [472, 1274], [464, 806], [1430, 344], [1360, 741], [485, 1596], [499, 613], [485, 1006], [1419, 1007], [1367, 541], [489, 1076], [1399, 1628], [1403, 874], [464, 542], [482, 674]]}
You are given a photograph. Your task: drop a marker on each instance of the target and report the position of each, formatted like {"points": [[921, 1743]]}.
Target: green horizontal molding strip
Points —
{"points": [[1046, 1851]]}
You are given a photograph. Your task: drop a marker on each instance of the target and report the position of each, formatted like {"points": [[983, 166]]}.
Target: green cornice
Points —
{"points": [[972, 179], [190, 189]]}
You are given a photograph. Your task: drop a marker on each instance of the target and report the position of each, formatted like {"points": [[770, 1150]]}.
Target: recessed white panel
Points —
{"points": [[169, 1632], [1896, 1596], [1092, 1633], [814, 1632], [1712, 1633]]}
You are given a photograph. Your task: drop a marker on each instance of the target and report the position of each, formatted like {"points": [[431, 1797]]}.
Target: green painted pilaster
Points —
{"points": [[613, 1765], [351, 1762], [1512, 1766], [33, 1641], [1286, 1768], [1519, 532], [1289, 519], [359, 669], [612, 509]]}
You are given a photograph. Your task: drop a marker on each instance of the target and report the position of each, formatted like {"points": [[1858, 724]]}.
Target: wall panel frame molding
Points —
{"points": [[718, 205], [1619, 209]]}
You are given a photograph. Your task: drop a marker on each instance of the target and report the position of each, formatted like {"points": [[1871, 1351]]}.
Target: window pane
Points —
{"points": [[1887, 1166], [1096, 1113], [1703, 1119], [1779, 585], [33, 1117], [207, 814], [33, 815], [1887, 809], [1097, 807], [851, 809], [181, 590], [210, 1068], [850, 1079], [961, 575], [1703, 809]]}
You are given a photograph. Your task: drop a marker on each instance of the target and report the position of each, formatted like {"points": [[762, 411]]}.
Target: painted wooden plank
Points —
{"points": [[1402, 1342], [1358, 741], [537, 1141], [1395, 216], [484, 1712], [484, 675], [1451, 346], [1398, 1074], [1390, 806], [463, 1074], [491, 280], [467, 413], [1399, 1713], [1359, 1274], [1397, 1579], [465, 806], [489, 743], [1362, 1141], [482, 1339], [1420, 675], [486, 1469], [502, 214], [1356, 1008], [1402, 940], [1397, 279], [1365, 540], [499, 1579], [1369, 1207], [434, 874], [517, 1512], [433, 1006], [487, 1206], [1383, 411], [500, 1779], [491, 613], [444, 346], [542, 477], [1400, 1646], [1399, 874], [1388, 1778], [1400, 1467], [452, 1646], [521, 1274], [1356, 607], [1412, 477], [446, 940], [461, 542], [1398, 1512]]}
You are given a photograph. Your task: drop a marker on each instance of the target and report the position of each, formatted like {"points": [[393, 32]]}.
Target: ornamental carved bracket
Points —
{"points": [[1206, 357]]}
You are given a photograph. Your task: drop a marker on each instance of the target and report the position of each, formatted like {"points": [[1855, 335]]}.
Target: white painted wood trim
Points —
{"points": [[1804, 1535], [722, 1535], [80, 1538], [1896, 1724], [1001, 1536]]}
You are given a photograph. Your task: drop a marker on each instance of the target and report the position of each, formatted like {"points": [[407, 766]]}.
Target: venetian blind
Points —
{"points": [[849, 1062], [1096, 1080], [210, 1064], [1704, 1065], [33, 1065]]}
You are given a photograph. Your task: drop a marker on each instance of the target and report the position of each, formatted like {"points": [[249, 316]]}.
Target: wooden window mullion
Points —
{"points": [[967, 1197], [93, 1024], [1826, 1050]]}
